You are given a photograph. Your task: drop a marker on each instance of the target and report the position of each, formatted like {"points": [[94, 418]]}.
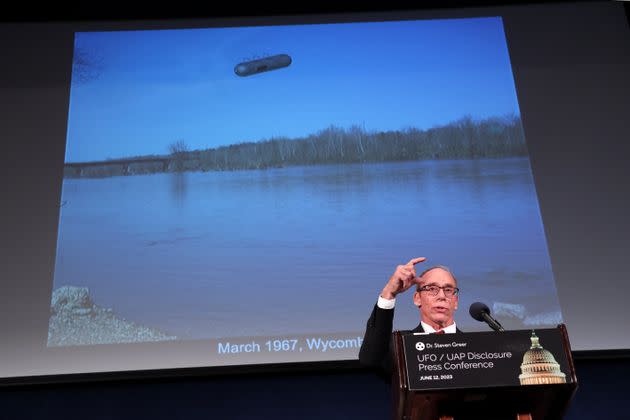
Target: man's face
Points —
{"points": [[437, 311]]}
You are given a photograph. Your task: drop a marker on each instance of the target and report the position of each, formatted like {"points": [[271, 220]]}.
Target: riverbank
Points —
{"points": [[76, 320], [498, 137]]}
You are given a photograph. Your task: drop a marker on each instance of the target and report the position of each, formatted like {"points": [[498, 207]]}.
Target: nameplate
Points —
{"points": [[485, 359]]}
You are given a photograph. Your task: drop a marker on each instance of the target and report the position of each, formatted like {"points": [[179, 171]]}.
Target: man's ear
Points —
{"points": [[416, 299]]}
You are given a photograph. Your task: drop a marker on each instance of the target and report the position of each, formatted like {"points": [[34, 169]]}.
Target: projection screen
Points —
{"points": [[236, 192]]}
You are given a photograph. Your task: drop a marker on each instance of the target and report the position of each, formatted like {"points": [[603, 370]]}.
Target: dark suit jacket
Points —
{"points": [[377, 349]]}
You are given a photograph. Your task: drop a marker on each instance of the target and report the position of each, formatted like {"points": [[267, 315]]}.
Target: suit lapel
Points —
{"points": [[418, 329]]}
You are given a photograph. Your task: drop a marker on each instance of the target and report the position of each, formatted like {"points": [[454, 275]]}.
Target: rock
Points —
{"points": [[516, 316], [71, 298], [548, 318], [76, 320], [509, 309]]}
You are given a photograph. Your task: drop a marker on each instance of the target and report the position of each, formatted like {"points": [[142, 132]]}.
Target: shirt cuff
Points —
{"points": [[386, 303]]}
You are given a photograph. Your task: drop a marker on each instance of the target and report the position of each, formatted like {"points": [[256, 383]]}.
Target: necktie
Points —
{"points": [[440, 332]]}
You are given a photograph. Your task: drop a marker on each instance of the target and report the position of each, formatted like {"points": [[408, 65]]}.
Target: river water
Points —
{"points": [[303, 249]]}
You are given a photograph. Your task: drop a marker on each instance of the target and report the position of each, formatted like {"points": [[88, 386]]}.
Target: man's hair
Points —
{"points": [[443, 267]]}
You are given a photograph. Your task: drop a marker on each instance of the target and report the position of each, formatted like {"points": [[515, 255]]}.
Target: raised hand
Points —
{"points": [[403, 278]]}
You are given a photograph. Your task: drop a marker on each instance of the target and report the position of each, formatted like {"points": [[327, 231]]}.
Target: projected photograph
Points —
{"points": [[251, 184]]}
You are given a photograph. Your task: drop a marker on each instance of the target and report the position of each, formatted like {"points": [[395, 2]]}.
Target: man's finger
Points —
{"points": [[415, 261]]}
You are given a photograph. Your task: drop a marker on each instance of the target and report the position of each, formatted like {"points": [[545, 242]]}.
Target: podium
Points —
{"points": [[517, 375]]}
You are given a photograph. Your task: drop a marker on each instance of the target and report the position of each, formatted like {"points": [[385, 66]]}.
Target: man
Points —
{"points": [[436, 296]]}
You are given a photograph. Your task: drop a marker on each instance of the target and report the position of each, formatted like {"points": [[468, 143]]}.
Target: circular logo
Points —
{"points": [[419, 346]]}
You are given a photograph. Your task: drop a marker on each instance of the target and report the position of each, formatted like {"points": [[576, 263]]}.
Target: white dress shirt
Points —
{"points": [[391, 303]]}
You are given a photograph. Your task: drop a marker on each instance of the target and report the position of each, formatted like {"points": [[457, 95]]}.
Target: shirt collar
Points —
{"points": [[451, 329]]}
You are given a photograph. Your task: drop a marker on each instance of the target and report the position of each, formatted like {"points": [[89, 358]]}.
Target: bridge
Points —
{"points": [[113, 167]]}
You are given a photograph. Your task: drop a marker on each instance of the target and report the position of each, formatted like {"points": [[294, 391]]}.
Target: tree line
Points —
{"points": [[465, 138]]}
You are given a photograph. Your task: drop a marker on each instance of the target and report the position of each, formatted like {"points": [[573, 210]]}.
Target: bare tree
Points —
{"points": [[178, 151], [87, 65]]}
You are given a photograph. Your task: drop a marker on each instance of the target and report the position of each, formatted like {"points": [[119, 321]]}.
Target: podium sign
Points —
{"points": [[482, 375], [469, 360]]}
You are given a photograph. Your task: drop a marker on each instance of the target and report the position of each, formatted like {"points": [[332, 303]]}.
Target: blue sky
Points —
{"points": [[156, 87]]}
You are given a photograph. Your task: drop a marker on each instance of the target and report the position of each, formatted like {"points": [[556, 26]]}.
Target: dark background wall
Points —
{"points": [[323, 392], [328, 394]]}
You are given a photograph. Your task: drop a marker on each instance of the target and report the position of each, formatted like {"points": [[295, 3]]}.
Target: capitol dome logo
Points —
{"points": [[540, 366]]}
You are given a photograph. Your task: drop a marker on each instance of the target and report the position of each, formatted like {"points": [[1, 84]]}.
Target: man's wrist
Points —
{"points": [[386, 294]]}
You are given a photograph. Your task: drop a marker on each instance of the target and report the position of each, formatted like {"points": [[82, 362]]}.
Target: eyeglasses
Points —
{"points": [[449, 291]]}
